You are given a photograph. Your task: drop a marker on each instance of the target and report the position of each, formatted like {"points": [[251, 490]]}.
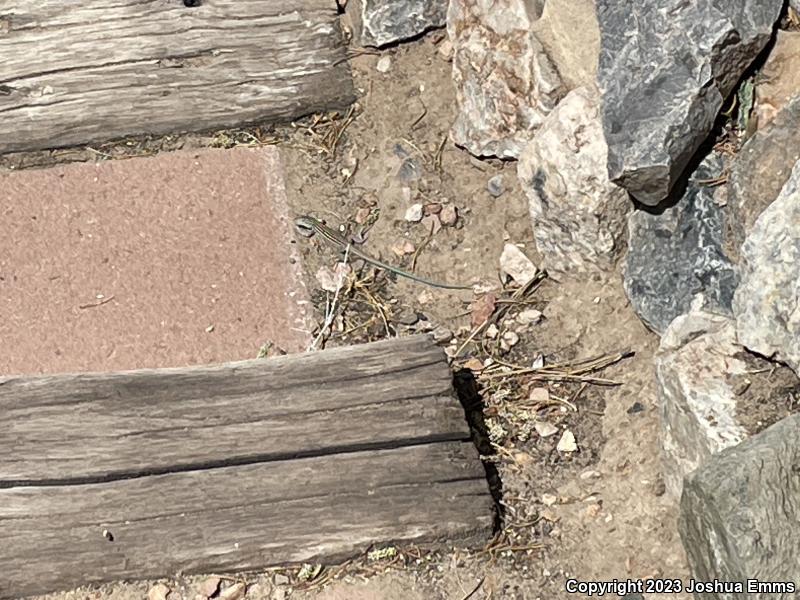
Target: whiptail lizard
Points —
{"points": [[308, 226]]}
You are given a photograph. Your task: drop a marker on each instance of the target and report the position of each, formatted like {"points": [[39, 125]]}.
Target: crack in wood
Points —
{"points": [[235, 462]]}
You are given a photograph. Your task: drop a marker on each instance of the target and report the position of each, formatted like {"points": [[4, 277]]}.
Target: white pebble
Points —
{"points": [[567, 442], [529, 316], [516, 265], [414, 213], [545, 429], [384, 64]]}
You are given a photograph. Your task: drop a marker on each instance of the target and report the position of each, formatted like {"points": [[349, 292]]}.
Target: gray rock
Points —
{"points": [[495, 186], [382, 22], [410, 169], [740, 514], [505, 82], [678, 254], [765, 304], [697, 356], [578, 215], [665, 68], [759, 171], [795, 4]]}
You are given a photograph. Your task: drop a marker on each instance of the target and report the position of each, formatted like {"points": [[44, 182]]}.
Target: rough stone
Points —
{"points": [[505, 82], [677, 254], [570, 34], [414, 213], [381, 22], [495, 186], [778, 81], [516, 265], [697, 355], [759, 172], [765, 304], [665, 69], [578, 215], [384, 64], [740, 513]]}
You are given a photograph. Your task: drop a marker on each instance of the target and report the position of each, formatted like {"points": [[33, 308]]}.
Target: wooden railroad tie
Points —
{"points": [[80, 72], [234, 467]]}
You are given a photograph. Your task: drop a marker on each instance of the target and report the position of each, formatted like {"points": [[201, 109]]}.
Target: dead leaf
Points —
{"points": [[483, 308]]}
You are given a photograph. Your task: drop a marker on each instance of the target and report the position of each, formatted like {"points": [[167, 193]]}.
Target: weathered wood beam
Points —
{"points": [[308, 457], [79, 72]]}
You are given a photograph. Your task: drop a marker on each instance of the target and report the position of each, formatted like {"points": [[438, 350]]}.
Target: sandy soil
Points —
{"points": [[610, 517]]}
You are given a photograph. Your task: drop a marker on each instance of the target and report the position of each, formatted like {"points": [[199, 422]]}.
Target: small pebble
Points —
{"points": [[529, 316], [433, 208], [495, 186], [590, 475], [442, 335], [158, 592], [516, 265], [423, 325], [407, 317], [414, 213], [432, 221], [549, 499], [509, 340], [384, 64], [567, 442], [331, 279], [540, 394], [634, 408], [449, 215], [403, 247], [474, 364], [208, 587], [425, 297], [545, 429], [233, 592], [362, 214], [593, 511], [446, 49], [492, 331]]}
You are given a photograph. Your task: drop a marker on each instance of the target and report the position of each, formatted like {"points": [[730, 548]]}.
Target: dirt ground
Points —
{"points": [[598, 513]]}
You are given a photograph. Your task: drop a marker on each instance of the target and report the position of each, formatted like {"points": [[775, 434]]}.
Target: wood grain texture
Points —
{"points": [[75, 71], [240, 518], [233, 467], [99, 426]]}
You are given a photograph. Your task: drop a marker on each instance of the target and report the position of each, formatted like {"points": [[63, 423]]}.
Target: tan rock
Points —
{"points": [[779, 80]]}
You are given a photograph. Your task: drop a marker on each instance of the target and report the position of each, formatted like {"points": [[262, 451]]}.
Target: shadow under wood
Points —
{"points": [[467, 389]]}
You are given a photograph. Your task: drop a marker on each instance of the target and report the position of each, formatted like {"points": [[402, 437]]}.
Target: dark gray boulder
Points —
{"points": [[740, 515], [382, 22], [675, 254], [666, 66]]}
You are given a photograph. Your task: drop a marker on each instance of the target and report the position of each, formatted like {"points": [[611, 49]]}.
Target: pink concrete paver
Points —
{"points": [[180, 259]]}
